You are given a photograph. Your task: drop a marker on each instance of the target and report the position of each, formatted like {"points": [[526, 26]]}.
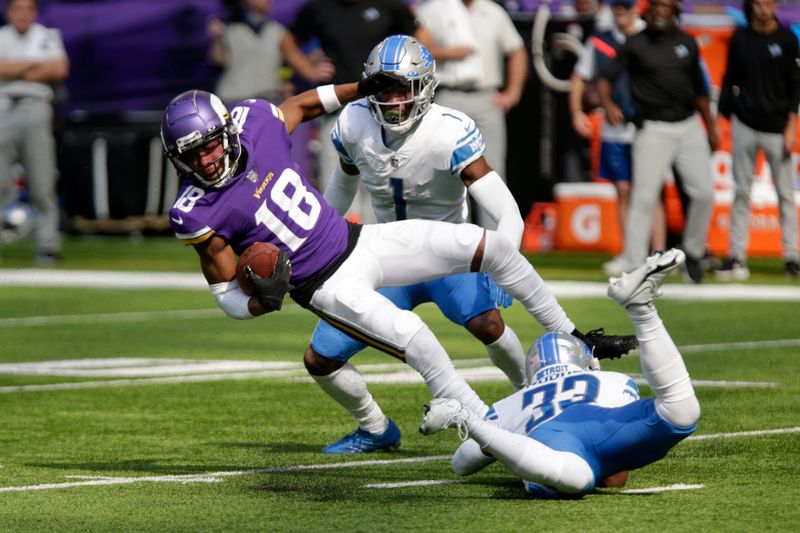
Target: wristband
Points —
{"points": [[327, 96]]}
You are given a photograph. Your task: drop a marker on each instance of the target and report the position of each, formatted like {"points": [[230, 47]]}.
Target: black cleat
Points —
{"points": [[609, 346]]}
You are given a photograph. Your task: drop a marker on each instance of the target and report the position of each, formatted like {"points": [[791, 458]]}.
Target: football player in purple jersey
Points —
{"points": [[240, 186]]}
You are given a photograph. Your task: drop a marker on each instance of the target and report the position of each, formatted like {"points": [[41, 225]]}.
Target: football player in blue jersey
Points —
{"points": [[419, 160], [574, 428]]}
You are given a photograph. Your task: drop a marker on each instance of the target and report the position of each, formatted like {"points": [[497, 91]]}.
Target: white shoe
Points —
{"points": [[615, 267], [443, 413], [643, 284]]}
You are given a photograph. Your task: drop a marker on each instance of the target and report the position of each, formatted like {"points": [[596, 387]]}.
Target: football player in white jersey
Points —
{"points": [[574, 428], [417, 160]]}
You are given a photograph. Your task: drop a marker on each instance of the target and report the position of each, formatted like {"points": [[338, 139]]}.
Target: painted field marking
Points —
{"points": [[216, 476], [125, 316], [420, 483], [212, 477], [198, 372], [653, 490], [99, 279], [738, 434]]}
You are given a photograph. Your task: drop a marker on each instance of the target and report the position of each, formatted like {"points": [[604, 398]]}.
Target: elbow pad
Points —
{"points": [[232, 299], [492, 194], [341, 189]]}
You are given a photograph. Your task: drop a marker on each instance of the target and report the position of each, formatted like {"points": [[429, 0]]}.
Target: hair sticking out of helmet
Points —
{"points": [[200, 138], [403, 57], [557, 353]]}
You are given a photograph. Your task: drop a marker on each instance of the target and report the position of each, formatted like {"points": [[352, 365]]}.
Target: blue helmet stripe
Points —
{"points": [[390, 55]]}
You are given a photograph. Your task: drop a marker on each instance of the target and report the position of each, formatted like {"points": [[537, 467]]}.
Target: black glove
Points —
{"points": [[377, 82], [607, 346], [270, 291]]}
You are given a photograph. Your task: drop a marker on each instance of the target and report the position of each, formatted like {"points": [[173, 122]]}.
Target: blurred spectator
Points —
{"points": [[482, 65], [668, 87], [347, 31], [32, 58], [615, 148], [250, 49], [761, 89]]}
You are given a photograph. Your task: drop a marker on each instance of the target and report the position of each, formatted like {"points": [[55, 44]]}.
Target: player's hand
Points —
{"points": [[270, 291], [614, 114], [582, 124], [324, 71], [789, 141], [377, 82], [505, 100]]}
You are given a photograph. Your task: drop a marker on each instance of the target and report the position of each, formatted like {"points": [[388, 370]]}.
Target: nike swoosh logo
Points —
{"points": [[178, 220]]}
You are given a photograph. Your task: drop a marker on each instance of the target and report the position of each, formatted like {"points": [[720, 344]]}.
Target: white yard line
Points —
{"points": [[295, 372], [652, 490], [98, 279], [406, 484], [216, 476], [213, 477], [759, 433]]}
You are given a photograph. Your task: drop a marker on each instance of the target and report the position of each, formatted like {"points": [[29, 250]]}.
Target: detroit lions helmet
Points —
{"points": [[556, 348], [405, 58], [191, 120]]}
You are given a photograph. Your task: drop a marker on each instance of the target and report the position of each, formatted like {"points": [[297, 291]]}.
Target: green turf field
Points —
{"points": [[133, 441]]}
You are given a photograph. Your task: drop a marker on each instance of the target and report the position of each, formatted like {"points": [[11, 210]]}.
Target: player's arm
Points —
{"points": [[48, 71], [492, 194], [605, 77], [516, 73], [218, 263], [309, 70], [342, 186], [329, 98]]}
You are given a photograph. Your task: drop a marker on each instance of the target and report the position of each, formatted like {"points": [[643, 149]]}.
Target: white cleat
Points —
{"points": [[642, 285], [443, 413]]}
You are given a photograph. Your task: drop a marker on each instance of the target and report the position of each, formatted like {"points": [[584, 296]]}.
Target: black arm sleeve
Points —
{"points": [[700, 83], [726, 97]]}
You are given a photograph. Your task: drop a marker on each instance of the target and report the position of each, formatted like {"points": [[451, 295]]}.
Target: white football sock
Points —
{"points": [[530, 459], [469, 459], [507, 354], [425, 355], [518, 278], [348, 388], [663, 368]]}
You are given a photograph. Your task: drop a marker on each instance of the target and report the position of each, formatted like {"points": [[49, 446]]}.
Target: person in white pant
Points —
{"points": [[32, 58], [574, 428]]}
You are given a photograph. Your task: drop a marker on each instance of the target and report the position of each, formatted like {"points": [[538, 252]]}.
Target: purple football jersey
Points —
{"points": [[268, 201]]}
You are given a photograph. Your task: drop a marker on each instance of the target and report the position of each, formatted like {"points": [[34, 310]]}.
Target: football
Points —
{"points": [[261, 257]]}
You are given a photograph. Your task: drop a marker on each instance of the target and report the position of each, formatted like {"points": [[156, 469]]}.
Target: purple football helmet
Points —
{"points": [[191, 120]]}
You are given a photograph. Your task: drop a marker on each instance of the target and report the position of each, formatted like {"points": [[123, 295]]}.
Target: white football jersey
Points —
{"points": [[555, 391], [419, 179]]}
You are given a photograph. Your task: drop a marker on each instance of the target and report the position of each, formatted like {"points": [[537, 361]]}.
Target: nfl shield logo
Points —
{"points": [[252, 175], [394, 161]]}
